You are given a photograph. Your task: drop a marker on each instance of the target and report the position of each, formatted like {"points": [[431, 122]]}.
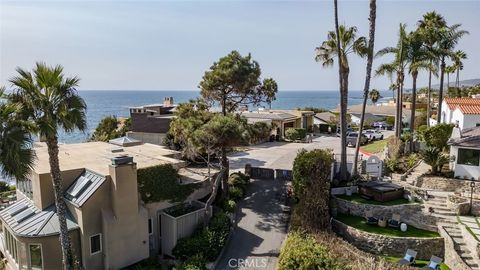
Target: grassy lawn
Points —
{"points": [[358, 199], [375, 147], [418, 263], [360, 223]]}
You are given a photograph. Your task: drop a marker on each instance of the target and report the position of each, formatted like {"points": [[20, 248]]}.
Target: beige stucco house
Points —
{"points": [[281, 120], [110, 226]]}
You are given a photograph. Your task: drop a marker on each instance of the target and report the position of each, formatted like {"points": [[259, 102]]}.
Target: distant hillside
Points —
{"points": [[471, 82]]}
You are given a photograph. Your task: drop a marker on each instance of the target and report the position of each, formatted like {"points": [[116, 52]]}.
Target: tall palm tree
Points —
{"points": [[457, 58], [418, 58], [340, 44], [429, 25], [52, 103], [374, 96], [448, 39], [16, 156], [397, 67], [368, 76], [450, 70]]}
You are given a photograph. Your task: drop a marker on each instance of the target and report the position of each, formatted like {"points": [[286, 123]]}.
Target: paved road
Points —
{"points": [[280, 155], [261, 228]]}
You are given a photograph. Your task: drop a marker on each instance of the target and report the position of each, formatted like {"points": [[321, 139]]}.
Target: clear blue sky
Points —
{"points": [[168, 45]]}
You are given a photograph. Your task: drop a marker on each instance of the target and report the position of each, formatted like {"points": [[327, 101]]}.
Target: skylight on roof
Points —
{"points": [[81, 184], [24, 215], [17, 209]]}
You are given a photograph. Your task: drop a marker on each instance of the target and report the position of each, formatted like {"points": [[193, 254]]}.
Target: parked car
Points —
{"points": [[348, 131], [373, 135], [382, 125], [352, 139]]}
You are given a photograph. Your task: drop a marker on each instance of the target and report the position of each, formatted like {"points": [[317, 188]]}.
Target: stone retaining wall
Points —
{"points": [[451, 258], [411, 214], [390, 246], [446, 184], [461, 205]]}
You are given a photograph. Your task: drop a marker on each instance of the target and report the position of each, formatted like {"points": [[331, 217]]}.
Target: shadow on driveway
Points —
{"points": [[261, 228]]}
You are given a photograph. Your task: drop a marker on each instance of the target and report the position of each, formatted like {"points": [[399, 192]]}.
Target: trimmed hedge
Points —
{"points": [[160, 183], [295, 134], [301, 251]]}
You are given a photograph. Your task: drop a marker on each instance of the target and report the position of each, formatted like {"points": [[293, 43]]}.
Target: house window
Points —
{"points": [[95, 244], [468, 157], [477, 124], [11, 245], [150, 225], [35, 251]]}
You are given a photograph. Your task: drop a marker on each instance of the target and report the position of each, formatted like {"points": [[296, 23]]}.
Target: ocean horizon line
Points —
{"points": [[183, 90]]}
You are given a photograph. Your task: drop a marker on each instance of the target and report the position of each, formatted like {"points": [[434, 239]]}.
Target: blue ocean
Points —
{"points": [[103, 103]]}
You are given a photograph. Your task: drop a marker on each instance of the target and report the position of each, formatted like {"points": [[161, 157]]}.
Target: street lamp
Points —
{"points": [[472, 185]]}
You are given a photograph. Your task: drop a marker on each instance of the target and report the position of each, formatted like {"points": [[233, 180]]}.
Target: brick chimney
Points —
{"points": [[168, 102]]}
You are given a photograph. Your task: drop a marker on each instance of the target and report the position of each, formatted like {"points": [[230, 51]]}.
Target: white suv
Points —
{"points": [[373, 135]]}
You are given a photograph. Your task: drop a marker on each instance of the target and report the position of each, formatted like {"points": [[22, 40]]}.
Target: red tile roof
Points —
{"points": [[452, 102], [469, 109], [466, 105]]}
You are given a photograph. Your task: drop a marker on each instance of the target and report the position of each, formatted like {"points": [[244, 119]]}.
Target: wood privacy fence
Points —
{"points": [[267, 173]]}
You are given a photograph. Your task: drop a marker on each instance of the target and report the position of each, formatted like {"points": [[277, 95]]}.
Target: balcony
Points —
{"points": [[7, 198]]}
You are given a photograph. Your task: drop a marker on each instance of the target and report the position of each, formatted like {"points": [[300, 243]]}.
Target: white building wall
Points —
{"points": [[446, 113], [461, 170], [457, 115]]}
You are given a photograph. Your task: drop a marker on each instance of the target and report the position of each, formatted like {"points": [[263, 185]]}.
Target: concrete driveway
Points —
{"points": [[261, 228], [280, 155]]}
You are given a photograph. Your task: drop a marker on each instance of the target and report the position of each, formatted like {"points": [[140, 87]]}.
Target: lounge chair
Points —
{"points": [[370, 218], [395, 221], [434, 263], [409, 258]]}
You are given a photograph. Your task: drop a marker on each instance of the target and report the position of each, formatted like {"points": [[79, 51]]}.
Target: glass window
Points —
{"points": [[35, 256], [150, 231], [95, 244], [468, 157]]}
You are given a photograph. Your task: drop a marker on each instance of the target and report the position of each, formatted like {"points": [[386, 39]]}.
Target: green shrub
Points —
{"points": [[437, 136], [390, 120], [235, 193], [301, 251], [206, 242], [220, 223], [411, 160], [434, 157], [295, 133], [230, 206], [196, 262], [238, 179], [391, 164], [161, 183]]}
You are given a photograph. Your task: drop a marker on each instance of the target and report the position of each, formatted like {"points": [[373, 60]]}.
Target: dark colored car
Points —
{"points": [[352, 139], [382, 125], [348, 131]]}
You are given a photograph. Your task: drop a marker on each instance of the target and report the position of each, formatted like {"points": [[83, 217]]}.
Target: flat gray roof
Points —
{"points": [[269, 115], [28, 221]]}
